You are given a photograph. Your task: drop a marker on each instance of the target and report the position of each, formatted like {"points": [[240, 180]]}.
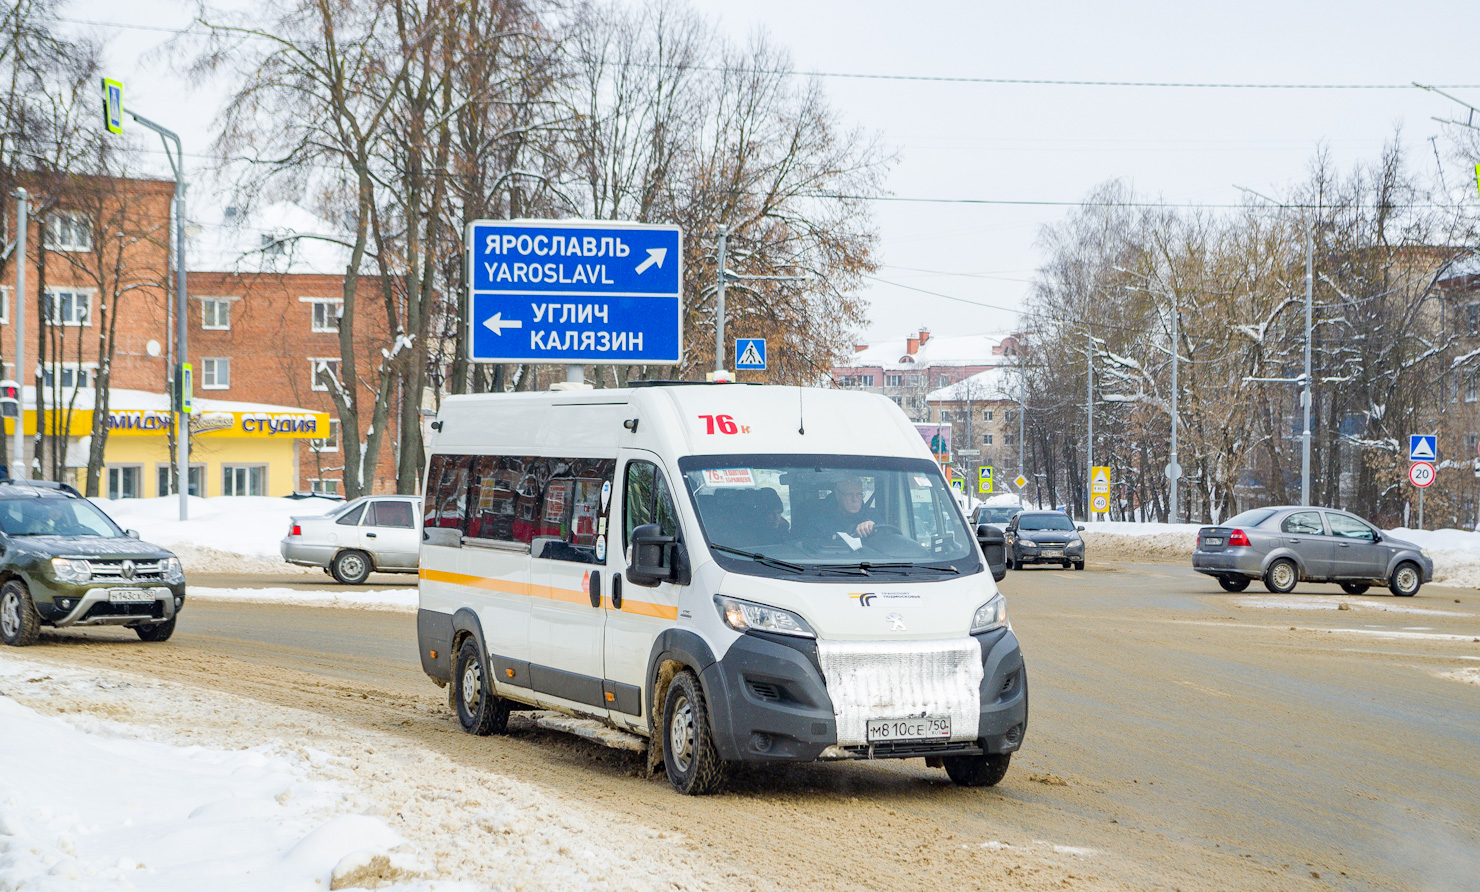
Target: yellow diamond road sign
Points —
{"points": [[1021, 481]]}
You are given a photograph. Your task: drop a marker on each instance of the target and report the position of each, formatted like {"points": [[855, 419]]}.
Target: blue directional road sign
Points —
{"points": [[750, 353], [574, 291], [1423, 447]]}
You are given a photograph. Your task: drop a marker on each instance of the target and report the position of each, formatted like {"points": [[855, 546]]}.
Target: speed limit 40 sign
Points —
{"points": [[1421, 473]]}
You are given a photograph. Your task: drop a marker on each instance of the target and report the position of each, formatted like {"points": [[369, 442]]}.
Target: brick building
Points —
{"points": [[907, 369], [263, 311]]}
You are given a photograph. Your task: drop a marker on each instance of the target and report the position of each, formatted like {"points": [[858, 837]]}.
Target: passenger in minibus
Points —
{"points": [[773, 524]]}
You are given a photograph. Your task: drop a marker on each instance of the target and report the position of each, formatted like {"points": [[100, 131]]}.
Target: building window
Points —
{"points": [[1472, 319], [986, 439], [986, 415], [1472, 387], [68, 307], [942, 381], [69, 374], [326, 314], [317, 367], [4, 301], [243, 480], [329, 443], [1009, 439], [215, 314], [857, 381], [894, 380], [68, 232], [326, 485], [163, 473], [1472, 444], [123, 482], [215, 374]]}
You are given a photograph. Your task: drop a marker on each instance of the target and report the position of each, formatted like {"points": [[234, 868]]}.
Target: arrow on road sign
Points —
{"points": [[497, 324], [655, 258]]}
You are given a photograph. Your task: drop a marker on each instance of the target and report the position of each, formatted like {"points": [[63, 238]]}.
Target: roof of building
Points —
{"points": [[1000, 383], [278, 238], [961, 350], [121, 400]]}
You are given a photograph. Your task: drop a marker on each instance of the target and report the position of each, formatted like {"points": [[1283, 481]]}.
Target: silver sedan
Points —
{"points": [[1283, 546], [375, 533]]}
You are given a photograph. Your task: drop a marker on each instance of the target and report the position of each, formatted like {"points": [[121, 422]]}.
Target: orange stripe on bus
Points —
{"points": [[566, 595]]}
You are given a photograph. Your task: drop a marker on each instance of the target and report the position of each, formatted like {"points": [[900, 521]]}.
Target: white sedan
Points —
{"points": [[370, 534]]}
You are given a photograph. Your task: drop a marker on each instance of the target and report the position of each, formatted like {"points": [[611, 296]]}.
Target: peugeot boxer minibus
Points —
{"points": [[736, 573]]}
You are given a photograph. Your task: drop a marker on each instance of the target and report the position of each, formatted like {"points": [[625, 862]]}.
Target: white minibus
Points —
{"points": [[736, 573]]}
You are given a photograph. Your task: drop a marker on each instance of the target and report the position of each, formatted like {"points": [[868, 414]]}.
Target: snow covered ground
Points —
{"points": [[126, 783], [242, 534]]}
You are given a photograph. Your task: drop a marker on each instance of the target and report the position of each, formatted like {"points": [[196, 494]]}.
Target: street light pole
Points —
{"points": [[182, 378], [719, 305], [18, 460]]}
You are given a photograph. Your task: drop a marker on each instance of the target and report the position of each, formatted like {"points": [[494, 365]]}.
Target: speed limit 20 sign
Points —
{"points": [[1421, 473]]}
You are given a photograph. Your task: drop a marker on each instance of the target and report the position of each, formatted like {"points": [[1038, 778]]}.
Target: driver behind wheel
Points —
{"points": [[845, 512]]}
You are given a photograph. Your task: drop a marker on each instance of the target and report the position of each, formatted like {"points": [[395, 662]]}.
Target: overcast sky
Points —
{"points": [[1041, 142]]}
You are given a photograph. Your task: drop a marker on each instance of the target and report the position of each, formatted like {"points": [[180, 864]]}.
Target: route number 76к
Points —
{"points": [[725, 423]]}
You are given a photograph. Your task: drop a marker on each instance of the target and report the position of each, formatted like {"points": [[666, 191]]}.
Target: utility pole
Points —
{"points": [[1305, 393], [18, 446], [1174, 470], [719, 305], [1304, 380], [1089, 414]]}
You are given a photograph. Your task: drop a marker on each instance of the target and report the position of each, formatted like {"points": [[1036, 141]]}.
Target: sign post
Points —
{"points": [[574, 291], [1099, 489]]}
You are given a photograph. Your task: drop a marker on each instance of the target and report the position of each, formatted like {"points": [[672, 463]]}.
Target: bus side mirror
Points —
{"points": [[656, 558], [994, 549]]}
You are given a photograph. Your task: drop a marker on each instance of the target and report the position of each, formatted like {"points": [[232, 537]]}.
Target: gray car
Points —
{"points": [[375, 533], [1043, 537], [1283, 546]]}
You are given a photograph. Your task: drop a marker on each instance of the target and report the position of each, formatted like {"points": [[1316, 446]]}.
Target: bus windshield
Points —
{"points": [[828, 515]]}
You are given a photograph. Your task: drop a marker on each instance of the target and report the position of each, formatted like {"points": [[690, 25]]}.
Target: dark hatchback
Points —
{"points": [[64, 563]]}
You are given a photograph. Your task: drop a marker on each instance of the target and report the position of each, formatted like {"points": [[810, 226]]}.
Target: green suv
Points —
{"points": [[63, 562]]}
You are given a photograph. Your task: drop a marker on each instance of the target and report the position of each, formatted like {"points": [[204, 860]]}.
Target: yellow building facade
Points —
{"points": [[236, 449]]}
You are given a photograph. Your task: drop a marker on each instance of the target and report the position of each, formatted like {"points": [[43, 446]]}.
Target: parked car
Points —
{"points": [[65, 563], [996, 515], [367, 535], [1286, 545], [1044, 537]]}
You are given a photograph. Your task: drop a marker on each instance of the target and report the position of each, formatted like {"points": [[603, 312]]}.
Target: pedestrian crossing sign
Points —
{"points": [[750, 353]]}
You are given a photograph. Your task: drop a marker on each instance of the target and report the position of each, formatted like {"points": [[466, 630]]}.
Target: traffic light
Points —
{"points": [[10, 399]]}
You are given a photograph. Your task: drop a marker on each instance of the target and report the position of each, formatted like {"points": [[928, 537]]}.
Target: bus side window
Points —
{"points": [[446, 501], [647, 500]]}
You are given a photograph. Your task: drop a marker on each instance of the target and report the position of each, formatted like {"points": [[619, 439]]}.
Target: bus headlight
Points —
{"points": [[743, 616], [989, 616]]}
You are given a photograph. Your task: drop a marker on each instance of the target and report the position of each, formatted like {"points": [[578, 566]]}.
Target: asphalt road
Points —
{"points": [[1180, 737]]}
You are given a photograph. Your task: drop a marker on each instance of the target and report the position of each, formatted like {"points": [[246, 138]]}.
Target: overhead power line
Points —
{"points": [[929, 78]]}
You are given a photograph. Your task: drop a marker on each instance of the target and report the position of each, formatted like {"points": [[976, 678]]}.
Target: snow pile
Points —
{"points": [[221, 531], [181, 790], [99, 812], [386, 599], [1456, 553]]}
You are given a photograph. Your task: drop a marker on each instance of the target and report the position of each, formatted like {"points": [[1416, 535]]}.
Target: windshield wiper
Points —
{"points": [[866, 566], [760, 558]]}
